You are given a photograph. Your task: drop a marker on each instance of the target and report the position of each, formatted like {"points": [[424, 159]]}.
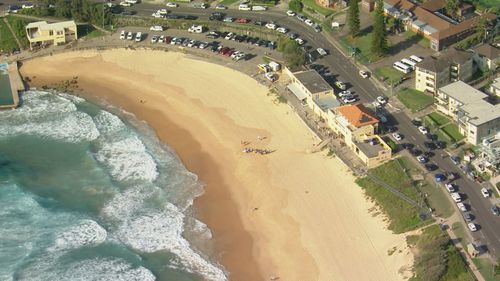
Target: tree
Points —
{"points": [[451, 7], [379, 37], [62, 9], [353, 20], [292, 53], [76, 10], [295, 5]]}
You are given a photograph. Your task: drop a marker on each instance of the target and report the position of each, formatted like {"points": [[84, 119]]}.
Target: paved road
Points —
{"points": [[345, 70]]}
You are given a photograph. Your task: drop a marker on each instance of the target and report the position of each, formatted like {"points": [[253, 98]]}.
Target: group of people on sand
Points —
{"points": [[255, 150]]}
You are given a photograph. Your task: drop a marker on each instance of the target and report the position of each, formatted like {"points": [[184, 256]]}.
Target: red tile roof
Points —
{"points": [[357, 115]]}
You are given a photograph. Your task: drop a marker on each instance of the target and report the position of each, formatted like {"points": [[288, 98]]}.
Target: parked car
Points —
{"points": [[301, 17], [429, 145], [397, 136], [341, 85], [408, 145], [455, 160], [156, 28], [130, 36], [309, 22], [468, 217], [450, 187], [423, 130], [348, 99], [259, 23], [172, 5], [123, 35], [430, 167], [485, 192], [154, 39], [220, 7], [495, 210], [228, 19], [346, 93], [462, 207], [456, 197], [381, 100], [271, 77], [282, 30], [472, 227], [415, 152], [364, 74], [291, 13], [243, 20], [292, 35], [271, 25], [422, 159], [416, 122], [300, 41]]}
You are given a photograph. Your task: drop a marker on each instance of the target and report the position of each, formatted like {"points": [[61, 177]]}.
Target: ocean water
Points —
{"points": [[86, 194]]}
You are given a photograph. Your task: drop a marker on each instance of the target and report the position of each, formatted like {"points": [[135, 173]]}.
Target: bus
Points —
{"points": [[409, 62], [402, 67], [415, 58]]}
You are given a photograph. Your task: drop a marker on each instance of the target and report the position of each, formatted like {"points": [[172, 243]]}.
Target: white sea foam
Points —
{"points": [[87, 232], [127, 159], [87, 270], [72, 98], [108, 123], [149, 230]]}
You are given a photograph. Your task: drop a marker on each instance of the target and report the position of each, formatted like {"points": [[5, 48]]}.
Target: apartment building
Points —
{"points": [[487, 57], [357, 127], [443, 68], [495, 87], [42, 33], [477, 119], [309, 87]]}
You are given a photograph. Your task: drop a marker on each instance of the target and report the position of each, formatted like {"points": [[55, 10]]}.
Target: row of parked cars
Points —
{"points": [[256, 41], [316, 27]]}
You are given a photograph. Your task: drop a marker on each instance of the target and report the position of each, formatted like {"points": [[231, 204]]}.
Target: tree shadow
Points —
{"points": [[403, 45]]}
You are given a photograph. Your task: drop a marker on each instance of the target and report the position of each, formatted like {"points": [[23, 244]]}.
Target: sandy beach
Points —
{"points": [[291, 214]]}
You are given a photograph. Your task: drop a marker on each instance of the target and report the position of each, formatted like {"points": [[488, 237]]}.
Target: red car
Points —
{"points": [[224, 50], [168, 39], [229, 53], [243, 20]]}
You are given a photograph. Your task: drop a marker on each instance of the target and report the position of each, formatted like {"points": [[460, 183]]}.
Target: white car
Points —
{"points": [[27, 6], [156, 28], [423, 130], [462, 207], [321, 51], [341, 85], [154, 39], [364, 74], [422, 159], [162, 11], [172, 5], [349, 99], [271, 26], [157, 15], [381, 100], [220, 7], [123, 35], [309, 22], [472, 226], [161, 39], [125, 4], [271, 77], [291, 13], [244, 7], [345, 94], [130, 36], [282, 30], [450, 187], [485, 192], [300, 41], [397, 136], [456, 197]]}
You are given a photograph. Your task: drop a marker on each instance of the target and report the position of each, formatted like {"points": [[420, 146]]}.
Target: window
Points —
{"points": [[51, 33]]}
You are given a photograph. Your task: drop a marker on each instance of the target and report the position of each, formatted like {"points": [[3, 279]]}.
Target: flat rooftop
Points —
{"points": [[327, 102], [370, 150], [462, 92], [313, 81], [481, 112]]}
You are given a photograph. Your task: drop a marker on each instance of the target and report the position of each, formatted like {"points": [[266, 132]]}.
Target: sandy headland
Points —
{"points": [[290, 214]]}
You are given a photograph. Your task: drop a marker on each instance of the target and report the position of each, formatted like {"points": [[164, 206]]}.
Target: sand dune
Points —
{"points": [[291, 214]]}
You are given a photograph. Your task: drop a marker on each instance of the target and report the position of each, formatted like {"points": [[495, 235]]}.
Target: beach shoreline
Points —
{"points": [[271, 215]]}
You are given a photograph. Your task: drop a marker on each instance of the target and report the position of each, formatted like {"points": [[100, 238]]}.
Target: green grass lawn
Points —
{"points": [[228, 2], [488, 3], [437, 198], [402, 215], [363, 44], [439, 118], [486, 268], [456, 268], [322, 10], [18, 26], [7, 41], [415, 100], [422, 41], [452, 131], [388, 73], [461, 233]]}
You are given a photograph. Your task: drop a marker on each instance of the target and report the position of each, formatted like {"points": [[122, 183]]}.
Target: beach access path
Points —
{"points": [[301, 215]]}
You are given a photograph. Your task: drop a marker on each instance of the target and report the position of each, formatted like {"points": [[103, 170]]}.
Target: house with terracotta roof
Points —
{"points": [[487, 57], [357, 127], [443, 68]]}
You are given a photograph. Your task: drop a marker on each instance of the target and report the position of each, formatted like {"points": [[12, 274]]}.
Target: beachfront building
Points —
{"points": [[495, 87], [477, 119], [357, 127], [487, 57], [42, 33], [430, 21], [309, 87], [443, 68]]}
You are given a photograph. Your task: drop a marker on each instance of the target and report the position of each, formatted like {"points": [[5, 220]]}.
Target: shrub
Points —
{"points": [[295, 5]]}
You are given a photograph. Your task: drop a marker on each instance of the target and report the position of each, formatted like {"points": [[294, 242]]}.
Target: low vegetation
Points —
{"points": [[295, 5], [488, 270], [317, 8], [388, 74], [7, 41], [18, 26], [292, 53], [415, 100], [437, 259], [438, 119], [419, 39], [402, 215]]}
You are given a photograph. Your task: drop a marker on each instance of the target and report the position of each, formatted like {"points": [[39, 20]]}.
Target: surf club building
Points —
{"points": [[357, 127], [42, 33], [311, 89]]}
